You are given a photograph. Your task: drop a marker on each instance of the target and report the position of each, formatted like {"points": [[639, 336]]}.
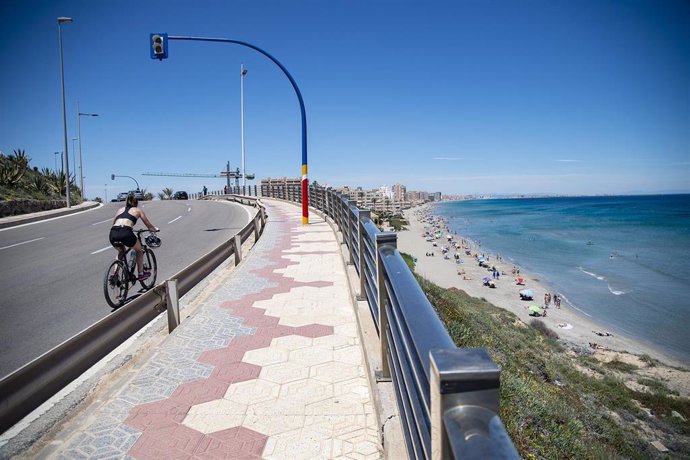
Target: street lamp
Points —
{"points": [[81, 170], [61, 20], [243, 72]]}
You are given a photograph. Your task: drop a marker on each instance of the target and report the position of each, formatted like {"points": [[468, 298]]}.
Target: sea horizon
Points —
{"points": [[618, 259]]}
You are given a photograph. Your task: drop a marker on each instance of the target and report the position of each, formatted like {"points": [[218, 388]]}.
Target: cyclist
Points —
{"points": [[122, 231]]}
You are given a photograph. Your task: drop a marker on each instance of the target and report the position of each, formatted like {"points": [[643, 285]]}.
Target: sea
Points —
{"points": [[624, 261]]}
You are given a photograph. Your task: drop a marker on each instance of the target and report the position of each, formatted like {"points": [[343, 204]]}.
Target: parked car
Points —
{"points": [[137, 194], [181, 195]]}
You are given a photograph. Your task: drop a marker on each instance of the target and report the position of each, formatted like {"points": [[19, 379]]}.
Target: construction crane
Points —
{"points": [[228, 174]]}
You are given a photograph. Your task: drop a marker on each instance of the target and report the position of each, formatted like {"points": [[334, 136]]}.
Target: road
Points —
{"points": [[51, 272]]}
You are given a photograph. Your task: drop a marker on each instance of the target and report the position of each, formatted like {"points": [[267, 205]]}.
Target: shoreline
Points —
{"points": [[579, 328]]}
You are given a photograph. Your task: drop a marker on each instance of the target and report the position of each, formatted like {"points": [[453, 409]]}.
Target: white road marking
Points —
{"points": [[176, 218], [96, 223], [189, 209], [101, 250], [19, 244], [100, 205]]}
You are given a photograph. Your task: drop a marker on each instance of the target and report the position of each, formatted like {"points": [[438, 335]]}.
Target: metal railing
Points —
{"points": [[29, 386], [448, 398]]}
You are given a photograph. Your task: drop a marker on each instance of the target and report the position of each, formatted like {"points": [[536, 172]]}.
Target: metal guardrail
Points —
{"points": [[29, 386], [448, 397]]}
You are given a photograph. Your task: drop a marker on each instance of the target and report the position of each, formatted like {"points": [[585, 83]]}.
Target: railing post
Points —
{"points": [[256, 227], [173, 304], [387, 239], [461, 377], [363, 214], [351, 230], [237, 245]]}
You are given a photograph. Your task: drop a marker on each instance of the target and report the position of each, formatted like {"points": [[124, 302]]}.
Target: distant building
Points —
{"points": [[399, 193]]}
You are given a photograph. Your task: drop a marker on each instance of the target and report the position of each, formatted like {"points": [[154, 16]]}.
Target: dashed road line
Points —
{"points": [[23, 242], [176, 218], [101, 222], [101, 250]]}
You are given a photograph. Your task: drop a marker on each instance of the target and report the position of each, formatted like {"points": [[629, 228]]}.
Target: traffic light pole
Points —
{"points": [[305, 180]]}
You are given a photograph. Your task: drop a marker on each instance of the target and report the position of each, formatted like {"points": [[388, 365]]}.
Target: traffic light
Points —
{"points": [[159, 46]]}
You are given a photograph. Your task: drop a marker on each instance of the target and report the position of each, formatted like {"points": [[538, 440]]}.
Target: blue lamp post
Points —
{"points": [[159, 50]]}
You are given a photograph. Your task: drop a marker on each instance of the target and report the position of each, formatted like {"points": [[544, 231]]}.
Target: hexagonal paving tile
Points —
{"points": [[215, 415], [311, 356], [284, 372], [292, 342], [265, 356], [252, 391], [306, 391], [334, 372]]}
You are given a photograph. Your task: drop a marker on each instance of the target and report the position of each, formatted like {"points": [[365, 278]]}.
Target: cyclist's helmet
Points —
{"points": [[153, 241]]}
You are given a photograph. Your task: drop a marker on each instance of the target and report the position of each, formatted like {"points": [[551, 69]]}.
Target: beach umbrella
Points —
{"points": [[526, 293], [535, 308], [486, 278], [520, 280]]}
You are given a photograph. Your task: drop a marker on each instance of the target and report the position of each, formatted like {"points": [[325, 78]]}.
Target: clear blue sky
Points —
{"points": [[462, 97]]}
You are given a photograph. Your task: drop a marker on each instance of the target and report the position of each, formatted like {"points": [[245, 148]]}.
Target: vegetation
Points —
{"points": [[19, 181], [166, 194], [556, 403]]}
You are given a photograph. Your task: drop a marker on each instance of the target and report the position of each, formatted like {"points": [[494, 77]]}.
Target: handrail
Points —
{"points": [[34, 383], [448, 397]]}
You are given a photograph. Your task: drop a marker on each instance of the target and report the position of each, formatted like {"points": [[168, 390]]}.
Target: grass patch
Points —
{"points": [[550, 408], [620, 366], [543, 329]]}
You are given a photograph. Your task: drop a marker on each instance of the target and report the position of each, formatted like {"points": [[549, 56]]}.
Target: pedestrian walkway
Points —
{"points": [[269, 366]]}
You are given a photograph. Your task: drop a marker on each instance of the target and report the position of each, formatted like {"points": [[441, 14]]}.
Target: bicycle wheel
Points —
{"points": [[115, 285], [150, 265]]}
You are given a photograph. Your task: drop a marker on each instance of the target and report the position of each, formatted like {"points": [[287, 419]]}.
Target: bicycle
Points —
{"points": [[120, 276]]}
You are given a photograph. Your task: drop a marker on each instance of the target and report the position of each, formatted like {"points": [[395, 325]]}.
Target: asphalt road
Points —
{"points": [[51, 272]]}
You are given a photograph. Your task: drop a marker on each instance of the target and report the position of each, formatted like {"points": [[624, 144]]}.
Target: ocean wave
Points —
{"points": [[615, 292], [599, 277]]}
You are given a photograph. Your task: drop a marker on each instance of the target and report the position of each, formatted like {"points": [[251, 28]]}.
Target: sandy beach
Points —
{"points": [[462, 271]]}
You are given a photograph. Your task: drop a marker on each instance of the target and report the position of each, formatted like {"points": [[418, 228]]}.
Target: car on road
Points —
{"points": [[181, 195], [121, 196], [137, 194]]}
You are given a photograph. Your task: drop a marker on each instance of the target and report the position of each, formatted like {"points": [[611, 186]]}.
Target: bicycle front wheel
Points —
{"points": [[115, 285], [151, 266]]}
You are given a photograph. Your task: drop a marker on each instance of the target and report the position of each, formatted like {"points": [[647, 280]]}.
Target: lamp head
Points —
{"points": [[63, 19]]}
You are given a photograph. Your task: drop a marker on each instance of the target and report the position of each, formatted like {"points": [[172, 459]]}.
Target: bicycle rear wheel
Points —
{"points": [[115, 285], [150, 265]]}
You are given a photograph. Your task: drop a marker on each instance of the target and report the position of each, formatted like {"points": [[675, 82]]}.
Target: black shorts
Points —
{"points": [[122, 236]]}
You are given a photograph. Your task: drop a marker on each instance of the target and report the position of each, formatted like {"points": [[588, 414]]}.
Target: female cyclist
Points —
{"points": [[122, 231]]}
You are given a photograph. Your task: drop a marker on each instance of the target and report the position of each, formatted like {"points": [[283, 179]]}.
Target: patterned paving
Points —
{"points": [[270, 367]]}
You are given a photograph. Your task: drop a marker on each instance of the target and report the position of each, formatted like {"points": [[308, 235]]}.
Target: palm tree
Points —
{"points": [[166, 193]]}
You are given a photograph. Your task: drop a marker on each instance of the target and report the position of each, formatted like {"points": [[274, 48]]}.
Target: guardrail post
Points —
{"points": [[173, 304], [388, 239], [464, 379], [363, 214], [257, 225], [351, 230], [237, 246]]}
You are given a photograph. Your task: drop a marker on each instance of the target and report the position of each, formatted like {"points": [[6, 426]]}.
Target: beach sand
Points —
{"points": [[578, 332]]}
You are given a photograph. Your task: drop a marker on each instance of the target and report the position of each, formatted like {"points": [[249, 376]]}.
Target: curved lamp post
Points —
{"points": [[159, 41], [113, 176]]}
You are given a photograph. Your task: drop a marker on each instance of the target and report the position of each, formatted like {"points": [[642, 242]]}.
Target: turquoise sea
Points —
{"points": [[622, 260]]}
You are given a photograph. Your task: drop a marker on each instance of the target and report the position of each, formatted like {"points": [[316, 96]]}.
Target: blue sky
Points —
{"points": [[462, 97]]}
